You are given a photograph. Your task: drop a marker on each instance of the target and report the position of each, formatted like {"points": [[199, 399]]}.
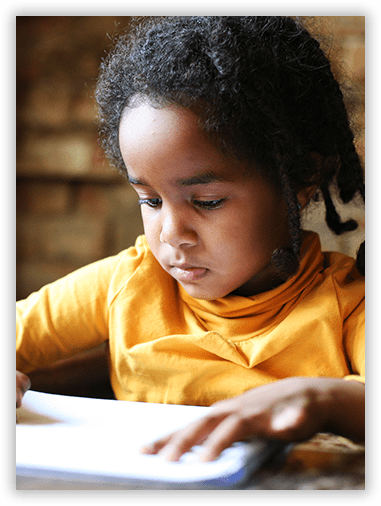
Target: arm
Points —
{"points": [[347, 412], [292, 409], [70, 315], [55, 327]]}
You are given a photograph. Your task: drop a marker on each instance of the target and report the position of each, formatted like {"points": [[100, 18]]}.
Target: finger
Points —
{"points": [[182, 441], [155, 446], [22, 385], [232, 429]]}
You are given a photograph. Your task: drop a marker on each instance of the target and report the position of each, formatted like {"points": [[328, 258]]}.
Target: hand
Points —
{"points": [[292, 409], [22, 385]]}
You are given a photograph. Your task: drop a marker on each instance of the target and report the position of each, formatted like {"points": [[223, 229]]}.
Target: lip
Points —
{"points": [[184, 272]]}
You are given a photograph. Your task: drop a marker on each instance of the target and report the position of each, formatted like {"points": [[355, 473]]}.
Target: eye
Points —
{"points": [[150, 202], [209, 205]]}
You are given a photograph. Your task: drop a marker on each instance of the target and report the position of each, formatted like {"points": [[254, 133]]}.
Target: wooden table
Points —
{"points": [[325, 462]]}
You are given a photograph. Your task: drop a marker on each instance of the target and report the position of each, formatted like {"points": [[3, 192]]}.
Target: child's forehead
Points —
{"points": [[164, 119], [170, 136]]}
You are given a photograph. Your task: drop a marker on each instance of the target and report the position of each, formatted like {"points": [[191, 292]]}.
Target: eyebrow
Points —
{"points": [[206, 178]]}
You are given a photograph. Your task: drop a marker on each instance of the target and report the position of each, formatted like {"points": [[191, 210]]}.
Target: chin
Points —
{"points": [[198, 292]]}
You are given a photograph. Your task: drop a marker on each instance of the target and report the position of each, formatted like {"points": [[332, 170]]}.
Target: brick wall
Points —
{"points": [[72, 207]]}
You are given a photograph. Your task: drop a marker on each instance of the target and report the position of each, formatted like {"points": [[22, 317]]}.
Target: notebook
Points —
{"points": [[74, 440]]}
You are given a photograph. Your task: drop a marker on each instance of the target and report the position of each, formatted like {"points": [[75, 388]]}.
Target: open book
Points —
{"points": [[73, 439]]}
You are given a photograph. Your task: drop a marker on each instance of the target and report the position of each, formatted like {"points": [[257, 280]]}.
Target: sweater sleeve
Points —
{"points": [[354, 340], [71, 314], [350, 291]]}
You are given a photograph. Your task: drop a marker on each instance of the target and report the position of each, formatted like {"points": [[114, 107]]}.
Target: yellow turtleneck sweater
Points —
{"points": [[167, 347]]}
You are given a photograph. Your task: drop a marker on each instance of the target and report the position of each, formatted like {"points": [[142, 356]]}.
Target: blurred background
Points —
{"points": [[72, 207]]}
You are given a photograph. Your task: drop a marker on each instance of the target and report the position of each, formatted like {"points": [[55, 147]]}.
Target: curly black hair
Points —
{"points": [[263, 89]]}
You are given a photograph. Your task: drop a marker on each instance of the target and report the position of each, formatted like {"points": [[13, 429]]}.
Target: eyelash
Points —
{"points": [[208, 205], [150, 202]]}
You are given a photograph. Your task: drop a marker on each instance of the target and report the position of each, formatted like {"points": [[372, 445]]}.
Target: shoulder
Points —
{"points": [[133, 256], [342, 268], [342, 278], [128, 262], [138, 276]]}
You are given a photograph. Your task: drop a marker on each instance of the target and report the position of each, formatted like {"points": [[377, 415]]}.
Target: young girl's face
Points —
{"points": [[210, 225]]}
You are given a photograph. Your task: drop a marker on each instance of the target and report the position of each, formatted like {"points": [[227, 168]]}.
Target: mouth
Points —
{"points": [[185, 272]]}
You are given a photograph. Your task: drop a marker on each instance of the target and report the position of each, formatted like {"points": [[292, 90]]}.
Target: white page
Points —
{"points": [[81, 438]]}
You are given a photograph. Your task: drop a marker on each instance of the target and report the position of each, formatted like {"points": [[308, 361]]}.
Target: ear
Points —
{"points": [[305, 195]]}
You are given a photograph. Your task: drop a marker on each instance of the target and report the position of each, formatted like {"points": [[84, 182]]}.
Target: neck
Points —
{"points": [[266, 280]]}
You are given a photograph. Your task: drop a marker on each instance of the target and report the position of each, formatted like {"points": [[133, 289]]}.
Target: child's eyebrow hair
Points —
{"points": [[206, 178]]}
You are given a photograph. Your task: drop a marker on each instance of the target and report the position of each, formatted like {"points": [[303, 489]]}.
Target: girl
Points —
{"points": [[226, 127]]}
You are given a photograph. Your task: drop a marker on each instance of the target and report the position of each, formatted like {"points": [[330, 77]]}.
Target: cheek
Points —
{"points": [[233, 241], [151, 227], [271, 219], [260, 231]]}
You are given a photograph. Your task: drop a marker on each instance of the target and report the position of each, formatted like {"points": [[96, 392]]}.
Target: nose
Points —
{"points": [[177, 229]]}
